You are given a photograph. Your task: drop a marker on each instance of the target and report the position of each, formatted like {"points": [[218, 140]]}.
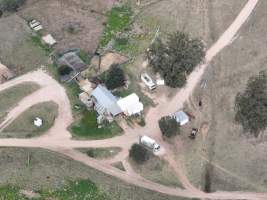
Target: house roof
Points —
{"points": [[106, 99], [130, 104]]}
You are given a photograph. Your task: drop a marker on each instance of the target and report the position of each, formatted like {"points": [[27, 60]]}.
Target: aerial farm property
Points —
{"points": [[133, 100]]}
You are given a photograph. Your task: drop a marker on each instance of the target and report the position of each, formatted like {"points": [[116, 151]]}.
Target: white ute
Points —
{"points": [[150, 143], [148, 81]]}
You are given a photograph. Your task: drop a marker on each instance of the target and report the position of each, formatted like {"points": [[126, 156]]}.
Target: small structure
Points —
{"points": [[160, 82], [148, 81], [105, 103], [72, 60], [49, 40], [181, 117], [38, 122], [35, 25], [130, 105], [149, 143], [85, 98]]}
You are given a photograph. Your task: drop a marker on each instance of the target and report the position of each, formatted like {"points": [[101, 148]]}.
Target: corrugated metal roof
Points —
{"points": [[106, 99]]}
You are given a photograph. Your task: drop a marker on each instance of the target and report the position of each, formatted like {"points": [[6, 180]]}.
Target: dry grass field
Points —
{"points": [[225, 158], [71, 22], [23, 126], [34, 169]]}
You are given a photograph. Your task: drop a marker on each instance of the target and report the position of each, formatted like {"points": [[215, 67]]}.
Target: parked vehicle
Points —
{"points": [[149, 143], [148, 81]]}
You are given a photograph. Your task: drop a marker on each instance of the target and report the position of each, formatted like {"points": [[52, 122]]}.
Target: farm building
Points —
{"points": [[72, 60], [105, 103], [181, 117], [130, 105]]}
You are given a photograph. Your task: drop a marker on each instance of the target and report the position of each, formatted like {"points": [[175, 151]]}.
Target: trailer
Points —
{"points": [[149, 143], [148, 81]]}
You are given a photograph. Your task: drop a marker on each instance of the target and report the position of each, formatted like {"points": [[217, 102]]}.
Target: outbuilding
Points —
{"points": [[181, 117], [130, 105], [49, 40]]}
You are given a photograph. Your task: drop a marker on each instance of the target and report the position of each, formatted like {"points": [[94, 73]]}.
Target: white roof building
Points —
{"points": [[181, 117], [48, 39], [130, 105]]}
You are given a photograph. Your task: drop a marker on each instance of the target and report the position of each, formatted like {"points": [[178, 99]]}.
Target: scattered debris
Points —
{"points": [[160, 82], [38, 122], [35, 25]]}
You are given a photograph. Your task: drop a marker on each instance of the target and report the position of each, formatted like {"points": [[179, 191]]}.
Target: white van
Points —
{"points": [[148, 81]]}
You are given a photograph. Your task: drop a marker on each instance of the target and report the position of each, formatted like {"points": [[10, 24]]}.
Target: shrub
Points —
{"points": [[169, 127], [64, 70], [139, 153], [251, 106], [11, 5], [176, 58], [115, 77]]}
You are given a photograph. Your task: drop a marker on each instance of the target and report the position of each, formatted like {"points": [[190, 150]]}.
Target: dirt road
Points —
{"points": [[58, 138]]}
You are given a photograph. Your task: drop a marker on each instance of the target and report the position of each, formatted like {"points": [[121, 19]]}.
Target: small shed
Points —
{"points": [[38, 122], [72, 60], [49, 40], [181, 117]]}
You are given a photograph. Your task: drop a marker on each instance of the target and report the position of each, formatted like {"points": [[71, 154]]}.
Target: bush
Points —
{"points": [[176, 58], [11, 5], [64, 70], [115, 77], [169, 127], [251, 106], [139, 153]]}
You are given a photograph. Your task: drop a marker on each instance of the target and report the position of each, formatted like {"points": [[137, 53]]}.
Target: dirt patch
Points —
{"points": [[72, 23]]}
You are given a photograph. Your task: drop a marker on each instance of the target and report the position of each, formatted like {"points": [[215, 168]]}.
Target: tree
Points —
{"points": [[176, 58], [115, 77], [139, 153], [251, 106], [11, 5], [169, 127]]}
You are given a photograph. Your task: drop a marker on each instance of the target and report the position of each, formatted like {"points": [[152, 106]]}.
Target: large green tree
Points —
{"points": [[115, 77], [139, 153], [169, 127], [175, 58], [251, 105]]}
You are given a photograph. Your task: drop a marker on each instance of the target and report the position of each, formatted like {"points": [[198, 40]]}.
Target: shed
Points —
{"points": [[105, 101], [130, 105], [181, 117], [72, 60], [49, 40]]}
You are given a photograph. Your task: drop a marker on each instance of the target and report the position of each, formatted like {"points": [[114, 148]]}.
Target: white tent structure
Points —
{"points": [[38, 122], [49, 40], [130, 105]]}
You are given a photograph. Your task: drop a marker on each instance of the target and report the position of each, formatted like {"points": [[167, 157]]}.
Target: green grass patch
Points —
{"points": [[37, 40], [12, 95], [101, 153], [119, 18], [84, 56], [87, 127], [23, 126], [10, 193], [79, 190], [74, 190]]}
